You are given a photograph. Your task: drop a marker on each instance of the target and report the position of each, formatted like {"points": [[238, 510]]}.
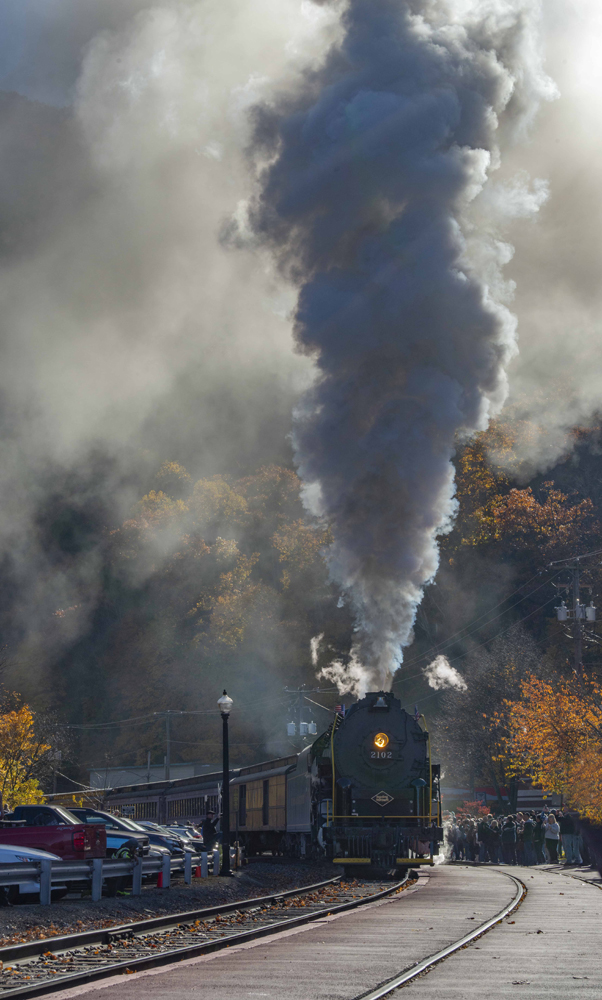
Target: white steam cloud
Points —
{"points": [[376, 200], [440, 674], [314, 648]]}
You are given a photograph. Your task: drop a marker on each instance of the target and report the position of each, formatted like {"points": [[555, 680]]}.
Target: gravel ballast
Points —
{"points": [[258, 878]]}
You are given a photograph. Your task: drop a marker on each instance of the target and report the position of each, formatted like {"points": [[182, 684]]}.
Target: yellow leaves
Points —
{"points": [[554, 733], [299, 544], [159, 509], [20, 750], [214, 500], [553, 525], [479, 488], [173, 479]]}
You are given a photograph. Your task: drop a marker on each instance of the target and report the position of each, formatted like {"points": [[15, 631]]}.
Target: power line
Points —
{"points": [[584, 555], [157, 716], [436, 650]]}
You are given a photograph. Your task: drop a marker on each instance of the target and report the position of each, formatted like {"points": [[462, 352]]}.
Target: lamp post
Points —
{"points": [[225, 705]]}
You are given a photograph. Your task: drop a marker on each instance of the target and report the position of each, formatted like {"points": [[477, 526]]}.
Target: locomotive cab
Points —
{"points": [[378, 789]]}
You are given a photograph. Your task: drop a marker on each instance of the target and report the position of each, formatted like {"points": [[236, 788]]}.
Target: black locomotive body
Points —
{"points": [[379, 801]]}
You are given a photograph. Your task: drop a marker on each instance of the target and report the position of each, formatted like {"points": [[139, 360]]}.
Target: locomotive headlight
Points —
{"points": [[381, 740]]}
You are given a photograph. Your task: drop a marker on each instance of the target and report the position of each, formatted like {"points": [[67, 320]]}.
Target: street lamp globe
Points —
{"points": [[225, 703]]}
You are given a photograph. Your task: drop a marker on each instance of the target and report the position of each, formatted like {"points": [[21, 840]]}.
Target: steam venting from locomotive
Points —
{"points": [[377, 200], [440, 674]]}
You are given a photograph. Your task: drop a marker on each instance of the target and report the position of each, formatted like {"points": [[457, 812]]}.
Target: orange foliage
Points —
{"points": [[554, 735], [472, 809], [554, 527]]}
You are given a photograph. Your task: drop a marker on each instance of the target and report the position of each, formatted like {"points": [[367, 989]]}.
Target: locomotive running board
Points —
{"points": [[351, 861]]}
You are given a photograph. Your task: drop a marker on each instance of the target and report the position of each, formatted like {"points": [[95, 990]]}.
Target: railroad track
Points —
{"points": [[420, 968], [40, 967]]}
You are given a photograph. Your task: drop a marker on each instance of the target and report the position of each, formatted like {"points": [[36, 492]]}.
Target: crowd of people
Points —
{"points": [[526, 838]]}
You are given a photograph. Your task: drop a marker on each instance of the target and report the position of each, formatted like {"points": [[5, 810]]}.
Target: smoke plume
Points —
{"points": [[555, 380], [129, 335], [440, 674], [377, 200]]}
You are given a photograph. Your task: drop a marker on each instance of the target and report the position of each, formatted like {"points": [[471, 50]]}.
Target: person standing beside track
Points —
{"points": [[528, 834], [538, 840], [495, 842], [552, 831], [209, 831], [520, 843], [509, 841], [568, 838], [483, 833]]}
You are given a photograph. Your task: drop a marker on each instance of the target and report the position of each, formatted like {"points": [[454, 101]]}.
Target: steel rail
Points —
{"points": [[181, 954], [105, 935], [405, 977]]}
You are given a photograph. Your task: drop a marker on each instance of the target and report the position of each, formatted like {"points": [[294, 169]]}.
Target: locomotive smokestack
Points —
{"points": [[377, 202]]}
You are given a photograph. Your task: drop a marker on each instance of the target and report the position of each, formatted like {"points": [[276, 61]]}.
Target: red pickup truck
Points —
{"points": [[54, 829]]}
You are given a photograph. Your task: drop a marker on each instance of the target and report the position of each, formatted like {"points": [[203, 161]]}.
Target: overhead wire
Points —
{"points": [[464, 634], [479, 645]]}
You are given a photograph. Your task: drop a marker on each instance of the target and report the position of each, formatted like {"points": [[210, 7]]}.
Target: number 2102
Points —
{"points": [[381, 753]]}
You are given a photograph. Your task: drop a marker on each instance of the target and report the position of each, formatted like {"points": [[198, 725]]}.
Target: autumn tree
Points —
{"points": [[552, 734], [26, 753]]}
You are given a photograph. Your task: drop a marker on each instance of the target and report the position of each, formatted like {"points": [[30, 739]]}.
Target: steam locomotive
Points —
{"points": [[365, 794], [377, 791]]}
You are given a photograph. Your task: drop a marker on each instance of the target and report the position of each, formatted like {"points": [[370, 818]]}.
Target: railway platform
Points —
{"points": [[548, 946]]}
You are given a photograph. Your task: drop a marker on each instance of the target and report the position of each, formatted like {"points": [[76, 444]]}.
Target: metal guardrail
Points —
{"points": [[96, 870]]}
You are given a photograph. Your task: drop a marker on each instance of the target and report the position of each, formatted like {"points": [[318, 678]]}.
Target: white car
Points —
{"points": [[10, 854]]}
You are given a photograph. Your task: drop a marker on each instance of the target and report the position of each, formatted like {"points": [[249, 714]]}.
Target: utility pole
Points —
{"points": [[579, 612], [167, 716], [577, 622], [298, 725], [167, 748]]}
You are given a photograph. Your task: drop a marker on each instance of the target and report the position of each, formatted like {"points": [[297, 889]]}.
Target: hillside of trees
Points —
{"points": [[222, 582]]}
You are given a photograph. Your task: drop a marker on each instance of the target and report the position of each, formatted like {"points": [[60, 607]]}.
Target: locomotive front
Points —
{"points": [[379, 790]]}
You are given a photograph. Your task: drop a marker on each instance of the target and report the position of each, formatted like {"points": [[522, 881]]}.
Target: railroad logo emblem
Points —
{"points": [[382, 798]]}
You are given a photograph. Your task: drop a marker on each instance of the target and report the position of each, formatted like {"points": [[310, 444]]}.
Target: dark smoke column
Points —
{"points": [[376, 202]]}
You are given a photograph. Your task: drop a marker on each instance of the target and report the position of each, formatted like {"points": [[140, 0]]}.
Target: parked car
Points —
{"points": [[118, 830], [161, 836], [26, 892], [189, 834], [53, 829]]}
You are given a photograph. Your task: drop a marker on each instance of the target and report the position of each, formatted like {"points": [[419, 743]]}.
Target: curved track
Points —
{"points": [[405, 977]]}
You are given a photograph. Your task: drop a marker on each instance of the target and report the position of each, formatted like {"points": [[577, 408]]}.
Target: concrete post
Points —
{"points": [[45, 882], [188, 867], [137, 877], [167, 871], [216, 862], [204, 865], [96, 879]]}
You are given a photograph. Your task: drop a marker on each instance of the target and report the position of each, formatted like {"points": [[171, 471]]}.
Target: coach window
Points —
{"points": [[242, 805], [266, 803]]}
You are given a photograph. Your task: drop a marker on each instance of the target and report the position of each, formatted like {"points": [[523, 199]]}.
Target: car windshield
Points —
{"points": [[129, 824], [67, 817], [163, 830], [118, 822]]}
